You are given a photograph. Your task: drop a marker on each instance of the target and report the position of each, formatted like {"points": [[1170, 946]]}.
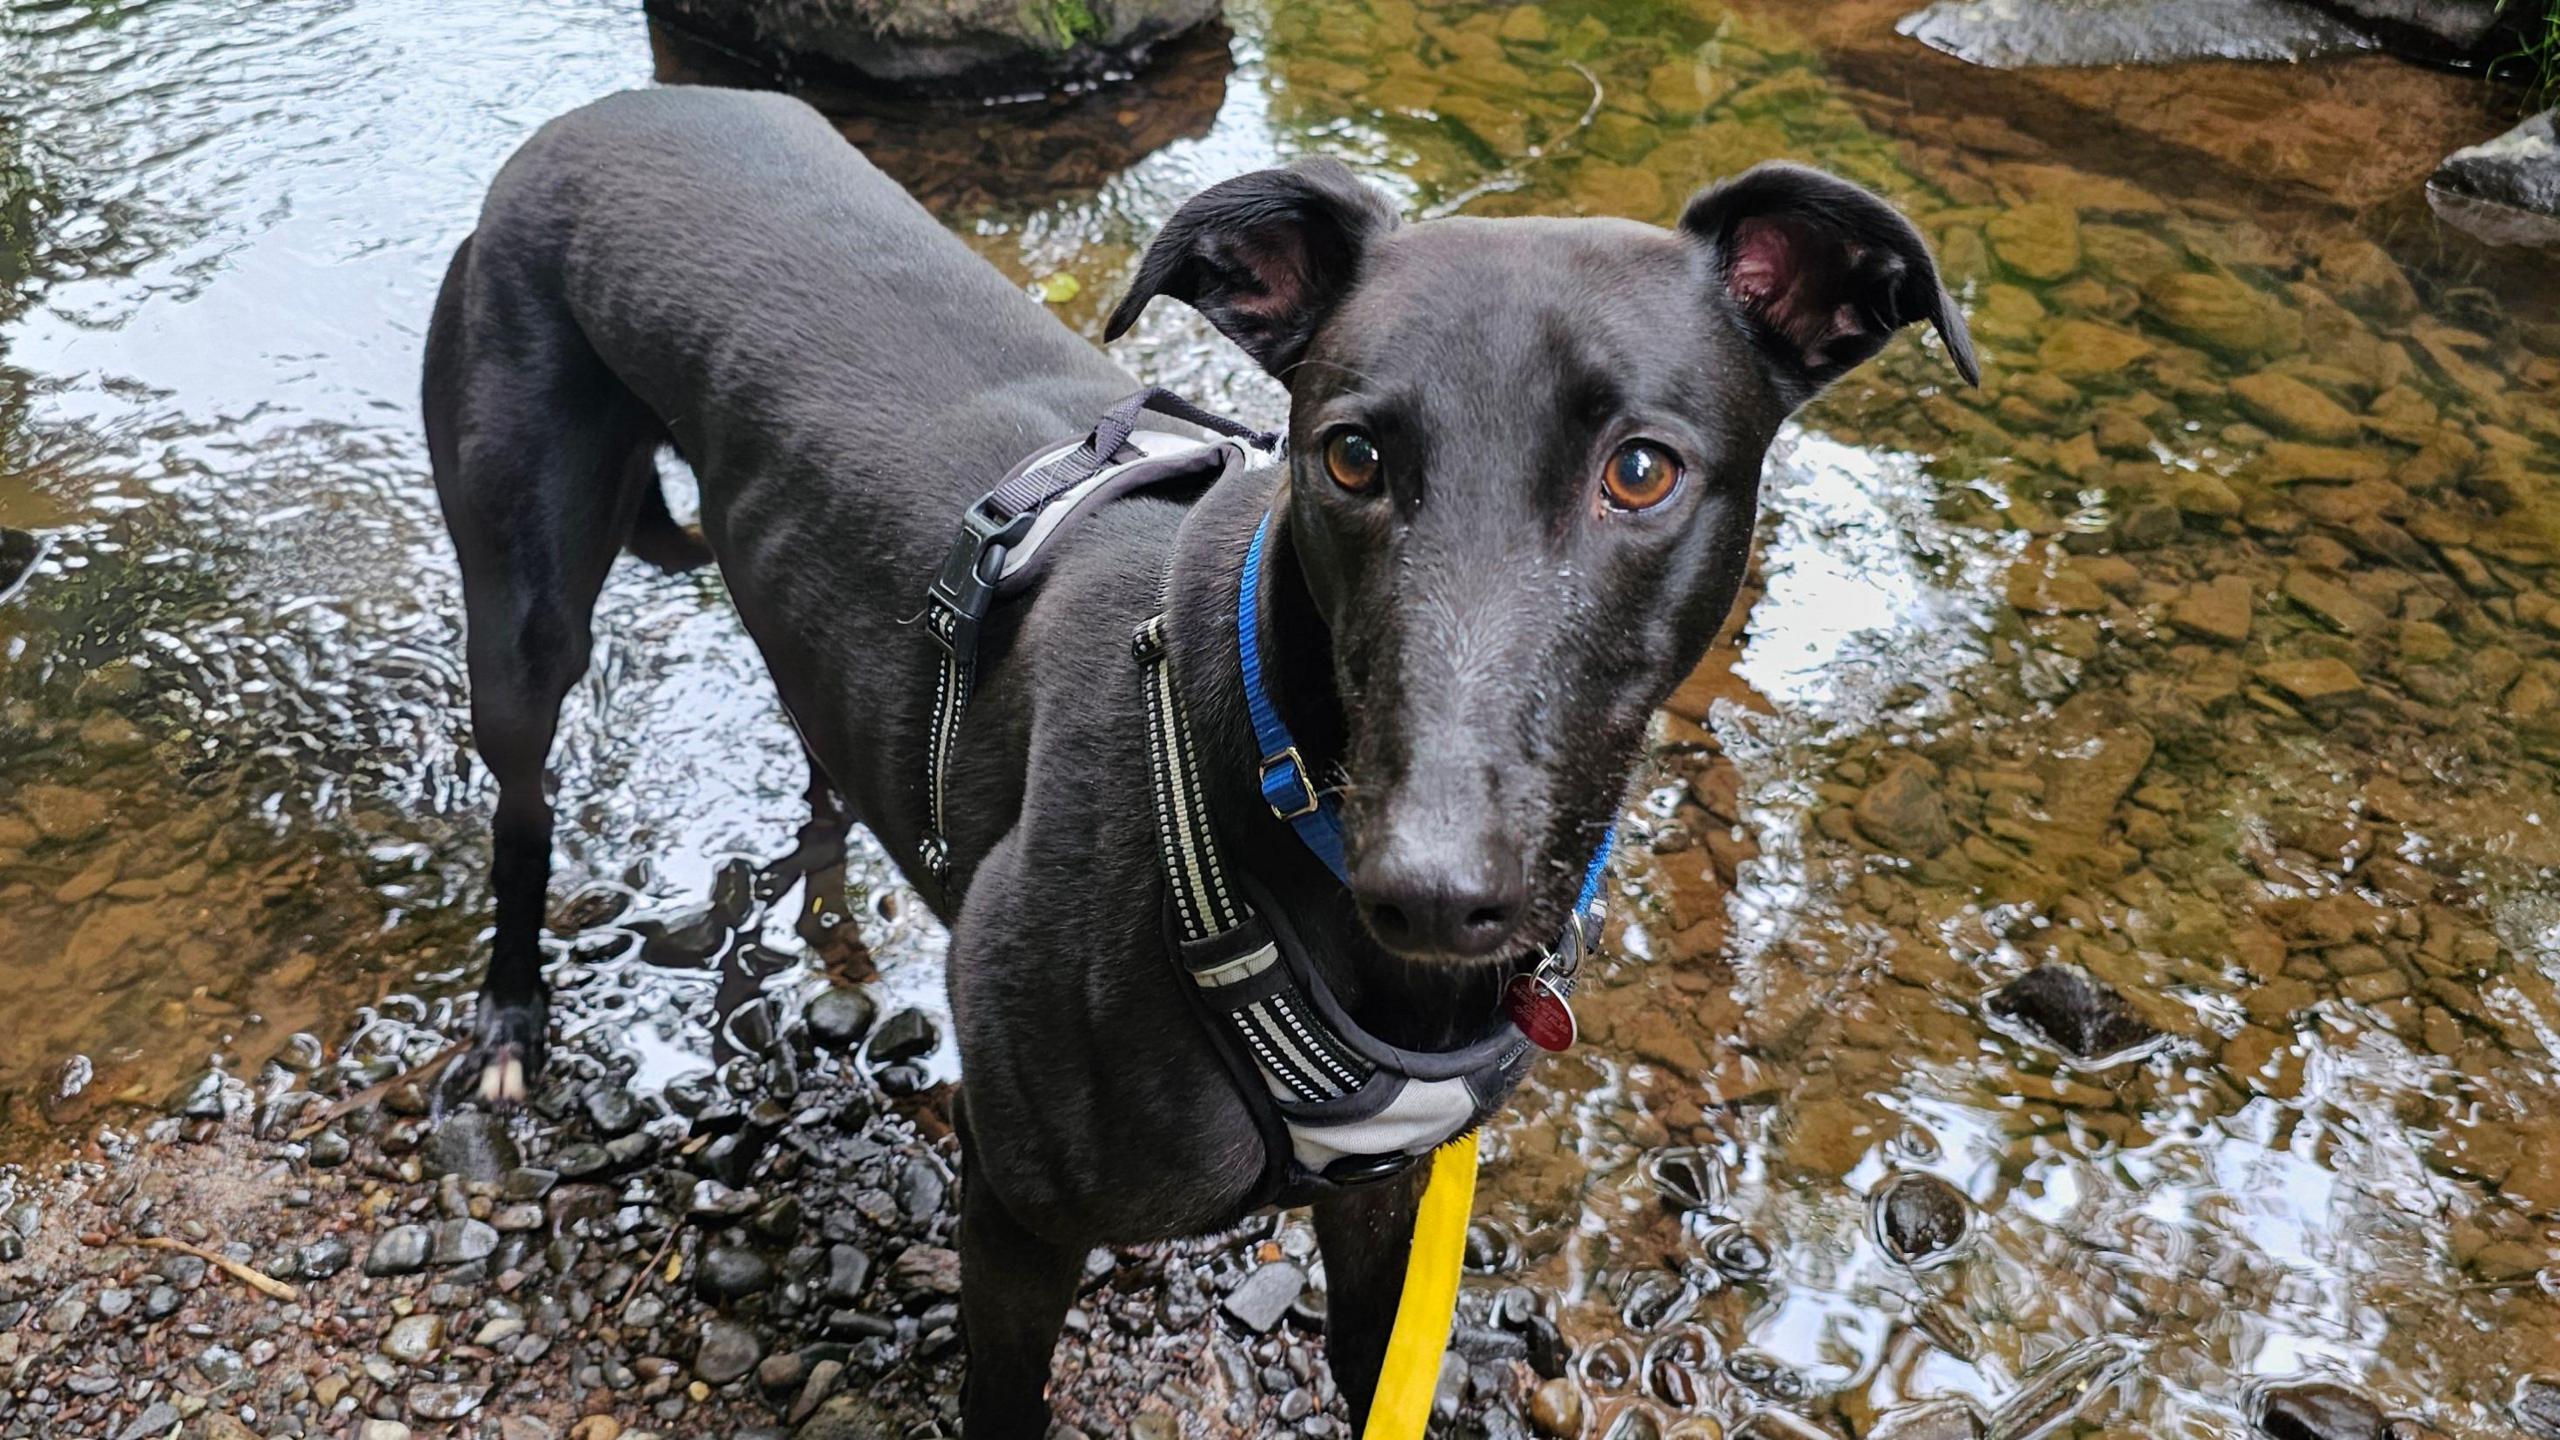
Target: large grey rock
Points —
{"points": [[954, 48], [2441, 29], [2507, 190], [2011, 34]]}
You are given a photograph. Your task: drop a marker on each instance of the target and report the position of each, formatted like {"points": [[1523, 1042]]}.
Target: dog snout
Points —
{"points": [[1441, 898]]}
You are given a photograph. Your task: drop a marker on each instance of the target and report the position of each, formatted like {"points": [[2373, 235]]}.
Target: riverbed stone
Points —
{"points": [[839, 1017], [400, 1250], [1555, 1409], [908, 1035], [1918, 1216], [2537, 1406], [2089, 351], [2313, 680], [2291, 408], [63, 814], [2017, 34], [1903, 813], [2040, 242], [461, 1241], [724, 1351], [2222, 314], [414, 1339], [2072, 1011], [2316, 1410], [1937, 1420], [2218, 609], [2340, 608]]}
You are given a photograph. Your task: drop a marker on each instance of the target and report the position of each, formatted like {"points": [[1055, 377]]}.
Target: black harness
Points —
{"points": [[1336, 1106]]}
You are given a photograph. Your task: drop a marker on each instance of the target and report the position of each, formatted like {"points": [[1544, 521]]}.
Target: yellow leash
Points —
{"points": [[1411, 1375]]}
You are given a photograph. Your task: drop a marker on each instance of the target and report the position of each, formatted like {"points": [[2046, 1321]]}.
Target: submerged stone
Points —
{"points": [[2537, 1406], [2318, 1411], [1902, 814], [1937, 1420], [1917, 1216], [2068, 1009]]}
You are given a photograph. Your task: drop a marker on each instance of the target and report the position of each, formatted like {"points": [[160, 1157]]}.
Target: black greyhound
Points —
{"points": [[1523, 466]]}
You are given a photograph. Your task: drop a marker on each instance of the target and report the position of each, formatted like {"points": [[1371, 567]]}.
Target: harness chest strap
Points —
{"points": [[1337, 1105]]}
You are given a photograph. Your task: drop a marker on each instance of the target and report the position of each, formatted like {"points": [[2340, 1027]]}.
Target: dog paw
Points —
{"points": [[506, 1053]]}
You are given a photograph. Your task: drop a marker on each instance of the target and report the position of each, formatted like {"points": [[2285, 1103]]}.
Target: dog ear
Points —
{"points": [[1264, 256], [1822, 271]]}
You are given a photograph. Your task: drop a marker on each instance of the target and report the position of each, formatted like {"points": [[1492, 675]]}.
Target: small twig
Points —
{"points": [[652, 1268], [263, 1284], [374, 1093]]}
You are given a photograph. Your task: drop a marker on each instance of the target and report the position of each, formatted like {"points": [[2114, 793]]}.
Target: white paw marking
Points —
{"points": [[502, 1081]]}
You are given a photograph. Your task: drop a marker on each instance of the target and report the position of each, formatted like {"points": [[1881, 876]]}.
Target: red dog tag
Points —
{"points": [[1540, 1011]]}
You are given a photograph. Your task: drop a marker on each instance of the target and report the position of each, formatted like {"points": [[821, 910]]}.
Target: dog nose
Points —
{"points": [[1437, 901]]}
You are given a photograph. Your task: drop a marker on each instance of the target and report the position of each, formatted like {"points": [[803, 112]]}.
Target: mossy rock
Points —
{"points": [[942, 48]]}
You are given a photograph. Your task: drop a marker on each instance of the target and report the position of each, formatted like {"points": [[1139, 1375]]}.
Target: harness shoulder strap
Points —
{"points": [[992, 556]]}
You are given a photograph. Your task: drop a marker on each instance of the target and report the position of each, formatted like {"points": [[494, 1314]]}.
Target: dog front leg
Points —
{"points": [[1366, 1234], [1014, 1292]]}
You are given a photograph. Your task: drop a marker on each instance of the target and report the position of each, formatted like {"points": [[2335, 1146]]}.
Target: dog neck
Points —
{"points": [[1417, 1006]]}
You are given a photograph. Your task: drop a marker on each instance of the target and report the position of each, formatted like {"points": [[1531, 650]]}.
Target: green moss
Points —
{"points": [[1067, 21]]}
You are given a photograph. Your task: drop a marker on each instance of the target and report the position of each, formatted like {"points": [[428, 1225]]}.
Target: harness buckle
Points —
{"points": [[1286, 787], [965, 588]]}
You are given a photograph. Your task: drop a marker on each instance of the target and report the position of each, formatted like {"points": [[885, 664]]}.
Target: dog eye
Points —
{"points": [[1351, 457], [1640, 475]]}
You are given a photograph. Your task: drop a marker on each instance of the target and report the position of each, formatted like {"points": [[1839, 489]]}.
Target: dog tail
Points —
{"points": [[655, 537]]}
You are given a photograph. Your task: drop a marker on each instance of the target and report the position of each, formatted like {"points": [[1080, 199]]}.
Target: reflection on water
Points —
{"points": [[2203, 669]]}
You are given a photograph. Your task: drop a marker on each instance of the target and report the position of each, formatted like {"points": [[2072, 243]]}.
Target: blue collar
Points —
{"points": [[1287, 785]]}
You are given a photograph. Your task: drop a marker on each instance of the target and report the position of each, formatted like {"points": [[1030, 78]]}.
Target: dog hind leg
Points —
{"points": [[533, 443]]}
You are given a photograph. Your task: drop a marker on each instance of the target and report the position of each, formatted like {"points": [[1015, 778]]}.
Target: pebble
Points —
{"points": [[382, 1430], [473, 1144], [459, 1242], [731, 1272], [400, 1250], [848, 1270], [157, 1419], [414, 1339], [1266, 1295], [324, 1257], [726, 1351], [923, 1273], [906, 1035], [838, 1018], [445, 1401], [1555, 1409]]}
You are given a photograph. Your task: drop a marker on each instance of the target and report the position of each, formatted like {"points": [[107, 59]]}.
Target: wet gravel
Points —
{"points": [[608, 1267]]}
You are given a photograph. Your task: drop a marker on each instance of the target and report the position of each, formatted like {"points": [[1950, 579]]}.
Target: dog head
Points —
{"points": [[1524, 468]]}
